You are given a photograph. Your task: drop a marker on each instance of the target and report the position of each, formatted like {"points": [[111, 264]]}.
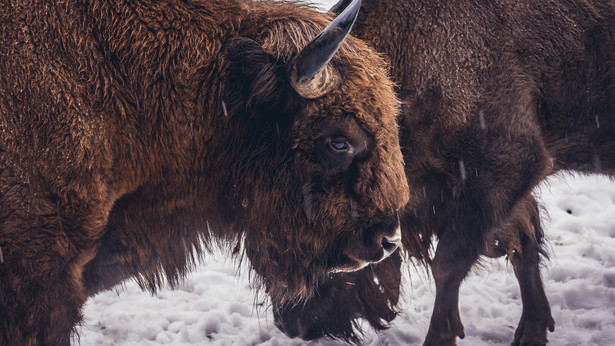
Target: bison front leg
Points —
{"points": [[449, 267], [41, 292], [41, 302], [488, 168]]}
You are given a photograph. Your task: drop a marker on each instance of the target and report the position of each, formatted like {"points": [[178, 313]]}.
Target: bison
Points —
{"points": [[496, 96], [136, 134]]}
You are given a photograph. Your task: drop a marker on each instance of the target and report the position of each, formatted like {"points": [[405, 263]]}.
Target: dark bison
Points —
{"points": [[496, 96], [135, 134]]}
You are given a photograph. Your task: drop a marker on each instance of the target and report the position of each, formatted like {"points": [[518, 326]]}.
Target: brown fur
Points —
{"points": [[369, 294], [131, 133], [496, 96]]}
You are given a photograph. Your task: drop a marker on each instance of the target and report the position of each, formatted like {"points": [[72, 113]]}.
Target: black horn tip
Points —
{"points": [[307, 70]]}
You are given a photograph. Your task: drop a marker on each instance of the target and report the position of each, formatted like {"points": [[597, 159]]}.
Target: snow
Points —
{"points": [[216, 304]]}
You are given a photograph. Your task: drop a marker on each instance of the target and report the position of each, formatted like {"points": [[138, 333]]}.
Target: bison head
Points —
{"points": [[316, 179]]}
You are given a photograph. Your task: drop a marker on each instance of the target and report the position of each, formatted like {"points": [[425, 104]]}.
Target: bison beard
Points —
{"points": [[496, 95], [136, 134], [371, 293]]}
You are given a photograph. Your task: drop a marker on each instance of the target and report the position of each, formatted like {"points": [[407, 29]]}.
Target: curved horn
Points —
{"points": [[310, 73]]}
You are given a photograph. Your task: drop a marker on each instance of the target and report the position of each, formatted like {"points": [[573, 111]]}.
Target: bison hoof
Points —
{"points": [[462, 335], [552, 328]]}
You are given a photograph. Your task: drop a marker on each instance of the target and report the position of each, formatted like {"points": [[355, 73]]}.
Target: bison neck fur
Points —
{"points": [[134, 135]]}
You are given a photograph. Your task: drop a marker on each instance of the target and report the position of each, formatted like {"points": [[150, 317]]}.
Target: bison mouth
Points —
{"points": [[372, 245]]}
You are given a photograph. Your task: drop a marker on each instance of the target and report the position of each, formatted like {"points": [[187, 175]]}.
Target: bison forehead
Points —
{"points": [[340, 111], [371, 102]]}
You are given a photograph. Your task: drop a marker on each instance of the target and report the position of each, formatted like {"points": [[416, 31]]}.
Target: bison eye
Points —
{"points": [[339, 145], [335, 152]]}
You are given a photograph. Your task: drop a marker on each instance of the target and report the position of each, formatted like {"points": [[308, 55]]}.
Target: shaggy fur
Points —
{"points": [[132, 132], [370, 294], [496, 96]]}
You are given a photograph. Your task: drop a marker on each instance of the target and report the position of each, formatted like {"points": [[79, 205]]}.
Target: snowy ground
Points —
{"points": [[216, 305]]}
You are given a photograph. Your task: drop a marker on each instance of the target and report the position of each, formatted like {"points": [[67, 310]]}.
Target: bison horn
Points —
{"points": [[310, 73]]}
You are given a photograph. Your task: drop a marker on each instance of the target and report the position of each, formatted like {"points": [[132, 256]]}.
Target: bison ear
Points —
{"points": [[254, 78]]}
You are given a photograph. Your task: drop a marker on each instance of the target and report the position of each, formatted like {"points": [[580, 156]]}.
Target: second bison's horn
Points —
{"points": [[310, 73]]}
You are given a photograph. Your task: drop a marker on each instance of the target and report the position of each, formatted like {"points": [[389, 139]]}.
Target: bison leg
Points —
{"points": [[520, 240], [492, 167], [370, 293], [41, 292], [449, 267], [536, 316], [40, 301]]}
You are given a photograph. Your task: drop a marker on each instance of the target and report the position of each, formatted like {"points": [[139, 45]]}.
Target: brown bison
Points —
{"points": [[135, 134], [496, 96]]}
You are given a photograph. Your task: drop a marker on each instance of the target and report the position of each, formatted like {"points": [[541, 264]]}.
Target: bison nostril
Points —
{"points": [[390, 244]]}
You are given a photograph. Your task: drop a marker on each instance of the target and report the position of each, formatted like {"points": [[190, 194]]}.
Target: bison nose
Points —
{"points": [[391, 243], [387, 236]]}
